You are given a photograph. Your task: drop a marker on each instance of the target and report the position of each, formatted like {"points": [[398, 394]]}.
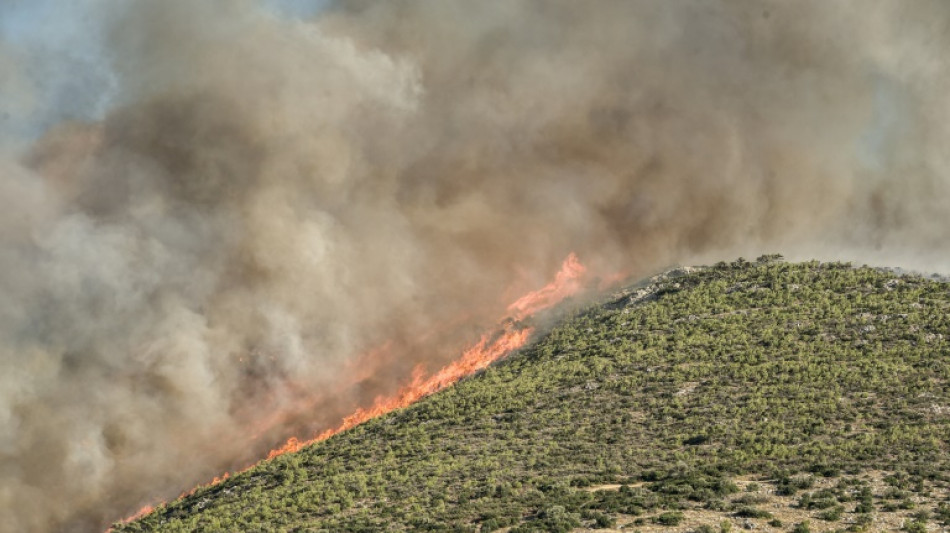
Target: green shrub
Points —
{"points": [[832, 515], [943, 513], [670, 518], [801, 527], [752, 512]]}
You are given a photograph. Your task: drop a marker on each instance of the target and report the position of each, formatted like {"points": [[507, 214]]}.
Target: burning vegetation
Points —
{"points": [[492, 346], [764, 396]]}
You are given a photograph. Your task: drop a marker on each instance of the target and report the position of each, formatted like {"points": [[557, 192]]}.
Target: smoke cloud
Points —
{"points": [[269, 220]]}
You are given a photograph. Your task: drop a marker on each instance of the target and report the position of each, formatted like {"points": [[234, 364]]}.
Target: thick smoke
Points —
{"points": [[276, 219]]}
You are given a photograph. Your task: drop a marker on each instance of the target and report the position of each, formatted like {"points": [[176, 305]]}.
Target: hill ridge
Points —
{"points": [[825, 384]]}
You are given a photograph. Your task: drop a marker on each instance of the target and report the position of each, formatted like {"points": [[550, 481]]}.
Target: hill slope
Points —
{"points": [[826, 384]]}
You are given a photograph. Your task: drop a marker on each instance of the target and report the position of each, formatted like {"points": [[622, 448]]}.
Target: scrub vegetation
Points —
{"points": [[785, 397]]}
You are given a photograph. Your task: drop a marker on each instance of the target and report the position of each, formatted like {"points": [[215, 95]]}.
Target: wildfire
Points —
{"points": [[566, 283], [491, 347], [486, 351], [138, 514]]}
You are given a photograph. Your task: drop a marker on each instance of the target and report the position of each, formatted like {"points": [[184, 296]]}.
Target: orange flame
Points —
{"points": [[138, 514], [490, 348], [566, 283], [486, 351]]}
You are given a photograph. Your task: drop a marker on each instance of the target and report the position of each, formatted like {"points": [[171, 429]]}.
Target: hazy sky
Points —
{"points": [[70, 77]]}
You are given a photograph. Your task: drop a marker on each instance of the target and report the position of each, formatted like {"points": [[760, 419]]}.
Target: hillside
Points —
{"points": [[784, 397]]}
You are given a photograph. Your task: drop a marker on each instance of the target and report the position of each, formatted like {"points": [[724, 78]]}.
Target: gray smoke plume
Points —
{"points": [[268, 221]]}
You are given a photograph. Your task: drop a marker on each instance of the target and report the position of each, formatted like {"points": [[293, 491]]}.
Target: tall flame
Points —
{"points": [[487, 350], [566, 283], [491, 347]]}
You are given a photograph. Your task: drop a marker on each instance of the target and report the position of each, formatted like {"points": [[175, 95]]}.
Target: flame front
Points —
{"points": [[487, 350], [566, 283], [491, 347]]}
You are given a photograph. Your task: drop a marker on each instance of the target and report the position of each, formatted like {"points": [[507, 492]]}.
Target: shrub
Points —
{"points": [[601, 520], [490, 525], [943, 513], [752, 512], [788, 486], [801, 527], [832, 515], [670, 518]]}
